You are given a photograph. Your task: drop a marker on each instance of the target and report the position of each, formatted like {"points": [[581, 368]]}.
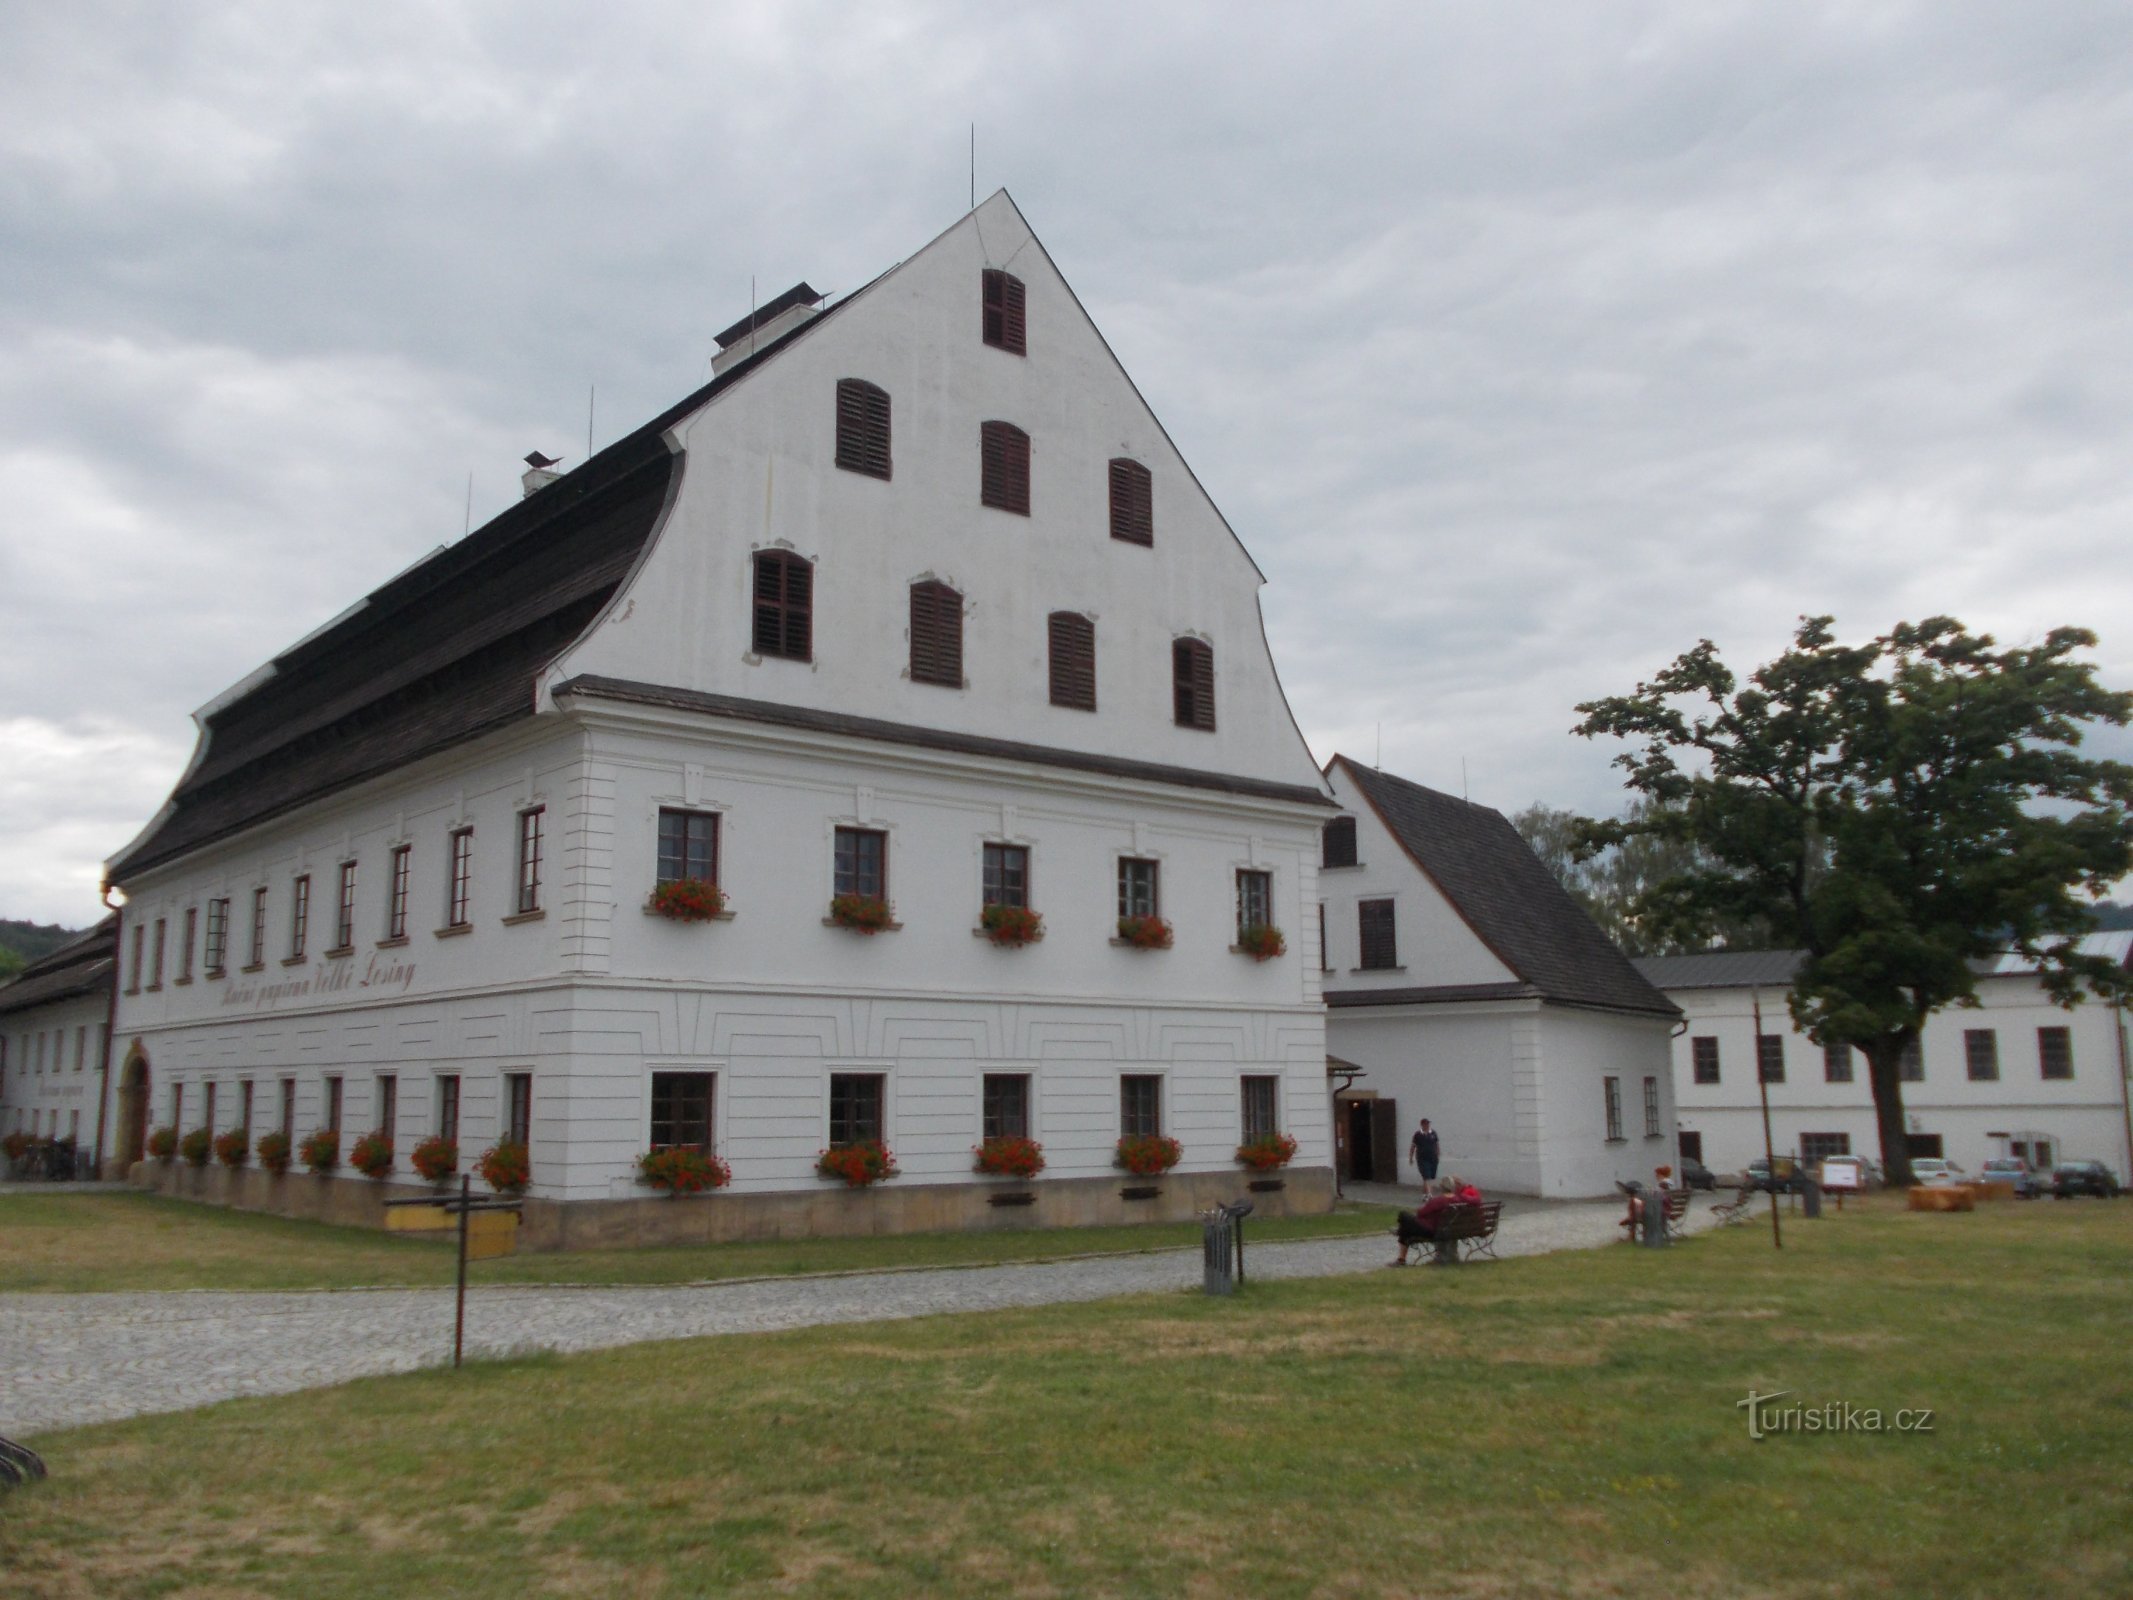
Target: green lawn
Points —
{"points": [[1561, 1426], [90, 1242]]}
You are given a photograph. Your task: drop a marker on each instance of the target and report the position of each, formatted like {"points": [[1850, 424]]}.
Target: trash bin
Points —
{"points": [[1218, 1242], [1810, 1198], [1653, 1228]]}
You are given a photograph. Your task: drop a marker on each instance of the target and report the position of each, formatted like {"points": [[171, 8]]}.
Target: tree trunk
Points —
{"points": [[1884, 1069]]}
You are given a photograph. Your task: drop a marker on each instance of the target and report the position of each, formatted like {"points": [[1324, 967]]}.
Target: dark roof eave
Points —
{"points": [[773, 714], [1471, 993]]}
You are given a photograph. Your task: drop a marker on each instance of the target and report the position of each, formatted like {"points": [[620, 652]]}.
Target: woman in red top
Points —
{"points": [[1420, 1226]]}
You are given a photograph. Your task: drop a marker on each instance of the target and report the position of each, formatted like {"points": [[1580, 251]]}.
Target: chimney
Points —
{"points": [[766, 325], [539, 474]]}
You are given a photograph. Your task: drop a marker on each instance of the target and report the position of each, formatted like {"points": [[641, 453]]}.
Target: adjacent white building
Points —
{"points": [[914, 600], [55, 1020], [2015, 1075], [1470, 989]]}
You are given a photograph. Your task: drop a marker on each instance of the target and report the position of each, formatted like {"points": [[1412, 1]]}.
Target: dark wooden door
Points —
{"points": [[1360, 1149], [1385, 1140], [1691, 1146]]}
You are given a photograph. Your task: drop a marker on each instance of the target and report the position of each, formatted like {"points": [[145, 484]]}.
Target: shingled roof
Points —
{"points": [[1512, 902], [446, 652], [83, 965], [1723, 969]]}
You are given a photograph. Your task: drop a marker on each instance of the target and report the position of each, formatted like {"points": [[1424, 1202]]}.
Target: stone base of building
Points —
{"points": [[830, 1211]]}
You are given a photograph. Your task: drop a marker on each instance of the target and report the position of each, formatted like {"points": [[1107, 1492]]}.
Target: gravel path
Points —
{"points": [[76, 1358]]}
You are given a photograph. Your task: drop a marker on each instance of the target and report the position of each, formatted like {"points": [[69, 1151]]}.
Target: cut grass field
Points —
{"points": [[1564, 1426], [84, 1243]]}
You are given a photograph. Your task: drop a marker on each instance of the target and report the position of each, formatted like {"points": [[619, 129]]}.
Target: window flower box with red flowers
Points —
{"points": [[1011, 927], [372, 1155], [689, 900], [683, 1169], [862, 913], [273, 1153], [1009, 1156], [196, 1147], [233, 1149], [15, 1146], [436, 1159], [1144, 933], [1261, 942], [1149, 1155], [1270, 1152], [860, 1164], [506, 1167], [163, 1145], [321, 1151]]}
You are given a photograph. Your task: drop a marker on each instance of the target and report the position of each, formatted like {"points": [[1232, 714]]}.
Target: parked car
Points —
{"points": [[1695, 1175], [1791, 1176], [2070, 1178], [1934, 1171], [2012, 1170]]}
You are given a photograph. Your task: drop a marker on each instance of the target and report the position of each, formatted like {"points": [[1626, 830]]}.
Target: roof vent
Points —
{"points": [[539, 474], [766, 325]]}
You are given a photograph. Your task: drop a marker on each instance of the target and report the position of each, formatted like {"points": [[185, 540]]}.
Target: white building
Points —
{"points": [[2017, 1075], [915, 599], [1472, 990], [55, 1020]]}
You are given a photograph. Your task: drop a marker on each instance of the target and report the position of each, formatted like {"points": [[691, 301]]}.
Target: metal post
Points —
{"points": [[1762, 1083], [1239, 1226], [459, 1324]]}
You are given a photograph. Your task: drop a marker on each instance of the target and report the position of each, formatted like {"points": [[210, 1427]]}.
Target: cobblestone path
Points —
{"points": [[77, 1358]]}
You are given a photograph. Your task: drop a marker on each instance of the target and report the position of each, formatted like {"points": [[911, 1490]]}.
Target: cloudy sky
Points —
{"points": [[1523, 345]]}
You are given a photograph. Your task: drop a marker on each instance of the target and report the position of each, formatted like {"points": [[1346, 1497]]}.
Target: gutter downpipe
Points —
{"points": [[103, 1069]]}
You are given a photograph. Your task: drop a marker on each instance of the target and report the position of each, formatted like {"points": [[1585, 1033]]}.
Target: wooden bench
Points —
{"points": [[1736, 1209], [1677, 1214], [1465, 1232]]}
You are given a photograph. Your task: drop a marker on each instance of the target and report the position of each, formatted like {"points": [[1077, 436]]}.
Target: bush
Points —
{"points": [[687, 900], [683, 1169], [1145, 933], [1149, 1155], [505, 1167], [233, 1149], [321, 1150], [1261, 942], [1012, 926], [372, 1155], [1007, 1156], [1267, 1152], [868, 1161], [273, 1152], [436, 1158], [862, 913], [163, 1143]]}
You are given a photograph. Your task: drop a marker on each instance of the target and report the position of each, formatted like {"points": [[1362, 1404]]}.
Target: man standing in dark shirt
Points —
{"points": [[1422, 1150]]}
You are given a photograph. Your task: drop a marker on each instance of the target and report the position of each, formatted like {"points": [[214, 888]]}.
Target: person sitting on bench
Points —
{"points": [[1420, 1225]]}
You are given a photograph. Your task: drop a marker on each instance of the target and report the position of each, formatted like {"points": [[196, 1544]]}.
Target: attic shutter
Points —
{"points": [[1003, 458], [1003, 312], [1375, 923], [784, 605], [862, 427], [1338, 848], [1132, 502], [936, 635], [1192, 683], [1073, 640]]}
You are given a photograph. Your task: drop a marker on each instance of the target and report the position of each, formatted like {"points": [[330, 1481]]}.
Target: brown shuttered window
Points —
{"points": [[1338, 847], [784, 605], [1192, 683], [1380, 946], [1003, 312], [1132, 502], [862, 427], [936, 635], [1073, 660], [1003, 457]]}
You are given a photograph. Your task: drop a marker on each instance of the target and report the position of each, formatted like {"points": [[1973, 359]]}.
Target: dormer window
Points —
{"points": [[1132, 502], [1003, 467], [863, 427], [1003, 312]]}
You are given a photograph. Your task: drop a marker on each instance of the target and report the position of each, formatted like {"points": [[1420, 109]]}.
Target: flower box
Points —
{"points": [[233, 1149], [436, 1159], [372, 1155], [321, 1150], [1009, 1157], [862, 913], [859, 1165], [273, 1153], [163, 1145], [197, 1146], [1149, 1155], [1011, 927], [688, 900], [683, 1169], [506, 1167], [1261, 942], [1144, 933], [15, 1146], [1267, 1153]]}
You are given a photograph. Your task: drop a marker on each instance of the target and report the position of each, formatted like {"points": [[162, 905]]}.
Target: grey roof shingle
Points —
{"points": [[1511, 901], [83, 965], [1723, 969]]}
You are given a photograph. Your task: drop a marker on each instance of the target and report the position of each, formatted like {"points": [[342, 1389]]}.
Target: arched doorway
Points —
{"points": [[132, 1139]]}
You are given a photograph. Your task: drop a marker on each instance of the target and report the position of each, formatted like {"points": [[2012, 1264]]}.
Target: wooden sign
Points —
{"points": [[491, 1234], [419, 1219]]}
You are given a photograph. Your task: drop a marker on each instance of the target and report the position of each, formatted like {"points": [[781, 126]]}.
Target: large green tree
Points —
{"points": [[1898, 810]]}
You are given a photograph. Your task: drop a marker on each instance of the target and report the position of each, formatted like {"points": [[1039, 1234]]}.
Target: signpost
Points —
{"points": [[487, 1226]]}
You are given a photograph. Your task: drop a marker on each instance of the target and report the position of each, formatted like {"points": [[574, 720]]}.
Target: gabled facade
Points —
{"points": [[2013, 1076], [914, 602], [1474, 992]]}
